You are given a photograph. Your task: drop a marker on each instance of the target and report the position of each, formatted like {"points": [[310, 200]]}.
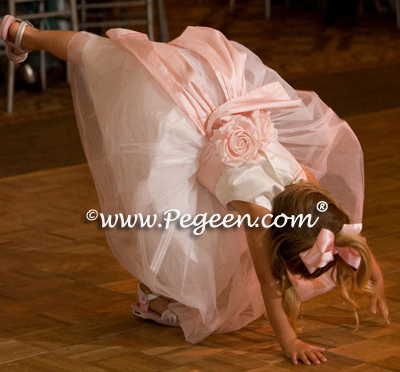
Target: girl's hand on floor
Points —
{"points": [[307, 353], [381, 305], [377, 281]]}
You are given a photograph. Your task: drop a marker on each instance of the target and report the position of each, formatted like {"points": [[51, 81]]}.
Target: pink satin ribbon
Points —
{"points": [[271, 97], [324, 249]]}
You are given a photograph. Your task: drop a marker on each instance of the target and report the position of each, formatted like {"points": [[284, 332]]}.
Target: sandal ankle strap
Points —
{"points": [[20, 34], [145, 298]]}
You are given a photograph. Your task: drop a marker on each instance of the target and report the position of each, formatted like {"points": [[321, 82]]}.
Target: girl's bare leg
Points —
{"points": [[54, 42]]}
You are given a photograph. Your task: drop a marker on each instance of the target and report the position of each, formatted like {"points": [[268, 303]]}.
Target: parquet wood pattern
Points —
{"points": [[65, 301]]}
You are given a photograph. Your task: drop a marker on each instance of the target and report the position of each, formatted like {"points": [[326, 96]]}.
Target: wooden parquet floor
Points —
{"points": [[65, 301]]}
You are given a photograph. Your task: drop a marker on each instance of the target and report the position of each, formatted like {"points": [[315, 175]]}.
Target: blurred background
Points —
{"points": [[348, 51]]}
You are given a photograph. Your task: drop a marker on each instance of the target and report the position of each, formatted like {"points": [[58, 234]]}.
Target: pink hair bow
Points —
{"points": [[324, 248]]}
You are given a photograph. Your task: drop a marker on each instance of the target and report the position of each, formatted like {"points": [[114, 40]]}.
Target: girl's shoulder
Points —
{"points": [[310, 177]]}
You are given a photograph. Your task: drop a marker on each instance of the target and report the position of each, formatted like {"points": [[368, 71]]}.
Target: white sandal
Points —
{"points": [[5, 24], [141, 309]]}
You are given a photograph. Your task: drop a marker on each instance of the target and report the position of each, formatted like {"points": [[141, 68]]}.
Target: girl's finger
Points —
{"points": [[311, 355], [320, 356], [384, 312], [319, 348], [373, 305], [294, 358], [304, 359]]}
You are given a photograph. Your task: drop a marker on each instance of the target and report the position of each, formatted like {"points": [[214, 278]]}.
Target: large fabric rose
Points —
{"points": [[243, 138]]}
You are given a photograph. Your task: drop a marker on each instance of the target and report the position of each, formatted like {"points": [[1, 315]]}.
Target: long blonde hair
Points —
{"points": [[288, 242]]}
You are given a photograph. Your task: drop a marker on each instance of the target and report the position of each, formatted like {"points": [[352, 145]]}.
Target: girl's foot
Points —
{"points": [[12, 32], [159, 304], [154, 307]]}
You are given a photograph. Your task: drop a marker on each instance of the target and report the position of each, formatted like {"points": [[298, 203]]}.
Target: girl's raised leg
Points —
{"points": [[54, 42]]}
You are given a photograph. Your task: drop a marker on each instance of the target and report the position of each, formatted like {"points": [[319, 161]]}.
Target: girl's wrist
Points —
{"points": [[289, 343]]}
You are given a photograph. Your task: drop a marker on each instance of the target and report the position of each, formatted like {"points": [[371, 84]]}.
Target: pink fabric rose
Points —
{"points": [[241, 138]]}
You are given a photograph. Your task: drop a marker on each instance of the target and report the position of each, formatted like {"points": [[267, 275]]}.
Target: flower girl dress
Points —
{"points": [[191, 125]]}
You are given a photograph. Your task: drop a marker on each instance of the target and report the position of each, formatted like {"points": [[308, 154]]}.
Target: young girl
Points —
{"points": [[201, 126]]}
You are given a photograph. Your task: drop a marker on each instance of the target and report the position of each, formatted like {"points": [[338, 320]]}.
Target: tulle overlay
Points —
{"points": [[142, 109]]}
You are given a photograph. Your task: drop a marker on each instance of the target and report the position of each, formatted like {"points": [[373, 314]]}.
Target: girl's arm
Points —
{"points": [[377, 279], [258, 240]]}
